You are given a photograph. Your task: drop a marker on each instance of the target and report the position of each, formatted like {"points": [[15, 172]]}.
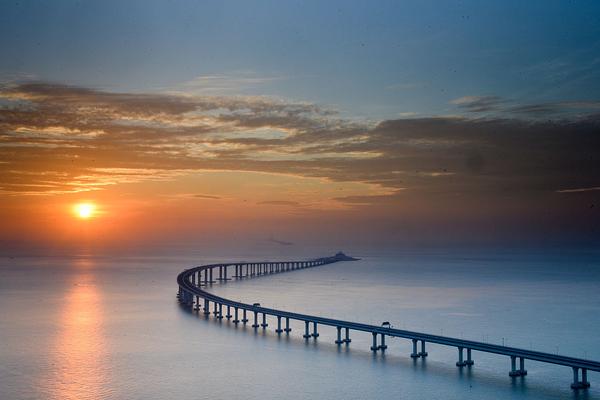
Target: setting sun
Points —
{"points": [[84, 210]]}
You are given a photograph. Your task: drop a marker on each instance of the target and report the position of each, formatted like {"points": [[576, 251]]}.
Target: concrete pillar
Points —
{"points": [[382, 346], [460, 362], [228, 316], [215, 312], [220, 315], [415, 353], [264, 321], [513, 367], [211, 275], [306, 334], [374, 347], [235, 316], [347, 340], [469, 359], [225, 273], [244, 318], [287, 325], [423, 353], [205, 277], [575, 384], [584, 381], [278, 330], [255, 324], [315, 334], [339, 335], [522, 370], [206, 307]]}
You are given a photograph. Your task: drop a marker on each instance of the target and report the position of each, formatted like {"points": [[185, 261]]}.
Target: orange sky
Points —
{"points": [[181, 170]]}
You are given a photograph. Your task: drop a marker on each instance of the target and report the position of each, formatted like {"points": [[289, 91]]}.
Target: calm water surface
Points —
{"points": [[110, 328]]}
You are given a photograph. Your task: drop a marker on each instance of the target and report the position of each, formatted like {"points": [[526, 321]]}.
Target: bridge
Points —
{"points": [[192, 294]]}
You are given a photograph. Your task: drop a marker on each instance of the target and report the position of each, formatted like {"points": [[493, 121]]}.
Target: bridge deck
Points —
{"points": [[186, 285]]}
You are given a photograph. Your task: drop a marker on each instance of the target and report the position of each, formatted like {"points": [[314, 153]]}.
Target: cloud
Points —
{"points": [[59, 139], [286, 203], [207, 196], [579, 190], [478, 104], [232, 83]]}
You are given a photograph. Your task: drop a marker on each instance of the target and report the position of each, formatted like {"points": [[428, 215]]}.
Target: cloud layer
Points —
{"points": [[59, 139]]}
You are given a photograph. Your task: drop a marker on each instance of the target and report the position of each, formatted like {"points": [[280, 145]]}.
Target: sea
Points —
{"points": [[100, 327]]}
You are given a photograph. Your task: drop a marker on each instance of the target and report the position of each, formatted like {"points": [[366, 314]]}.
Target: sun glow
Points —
{"points": [[85, 210]]}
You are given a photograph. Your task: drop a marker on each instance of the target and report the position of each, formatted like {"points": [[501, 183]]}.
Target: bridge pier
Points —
{"points": [[287, 325], [347, 340], [382, 346], [339, 335], [423, 353], [306, 333], [315, 334], [220, 315], [206, 307], [460, 363], [197, 303], [580, 384], [374, 347], [228, 316], [264, 321], [278, 330], [415, 354], [215, 312], [255, 324], [517, 372], [235, 317], [244, 318]]}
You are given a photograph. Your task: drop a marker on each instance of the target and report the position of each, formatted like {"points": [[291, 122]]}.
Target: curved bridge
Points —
{"points": [[191, 294]]}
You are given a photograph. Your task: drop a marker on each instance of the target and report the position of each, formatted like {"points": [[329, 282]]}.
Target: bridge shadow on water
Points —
{"points": [[470, 377]]}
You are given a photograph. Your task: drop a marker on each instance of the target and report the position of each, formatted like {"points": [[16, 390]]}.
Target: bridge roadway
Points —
{"points": [[192, 280]]}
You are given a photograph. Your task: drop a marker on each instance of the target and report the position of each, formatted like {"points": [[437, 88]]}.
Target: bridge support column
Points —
{"points": [[235, 317], [415, 353], [374, 347], [306, 334], [513, 367], [460, 363], [228, 316], [264, 321], [347, 340], [469, 361], [255, 324], [215, 312], [382, 346], [315, 334], [278, 330], [287, 325], [220, 315], [339, 335], [423, 353], [206, 307], [522, 370], [197, 303], [580, 384], [225, 273], [211, 275], [244, 318]]}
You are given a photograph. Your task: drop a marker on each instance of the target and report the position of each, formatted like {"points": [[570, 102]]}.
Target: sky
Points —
{"points": [[347, 124]]}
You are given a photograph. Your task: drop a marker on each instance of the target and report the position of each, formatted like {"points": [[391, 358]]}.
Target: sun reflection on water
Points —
{"points": [[81, 363]]}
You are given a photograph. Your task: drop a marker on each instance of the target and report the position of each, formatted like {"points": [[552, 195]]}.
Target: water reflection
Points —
{"points": [[80, 351]]}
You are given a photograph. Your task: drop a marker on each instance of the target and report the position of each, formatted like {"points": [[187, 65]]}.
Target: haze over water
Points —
{"points": [[100, 327]]}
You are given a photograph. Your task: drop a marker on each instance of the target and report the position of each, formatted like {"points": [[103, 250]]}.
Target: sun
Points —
{"points": [[84, 210]]}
